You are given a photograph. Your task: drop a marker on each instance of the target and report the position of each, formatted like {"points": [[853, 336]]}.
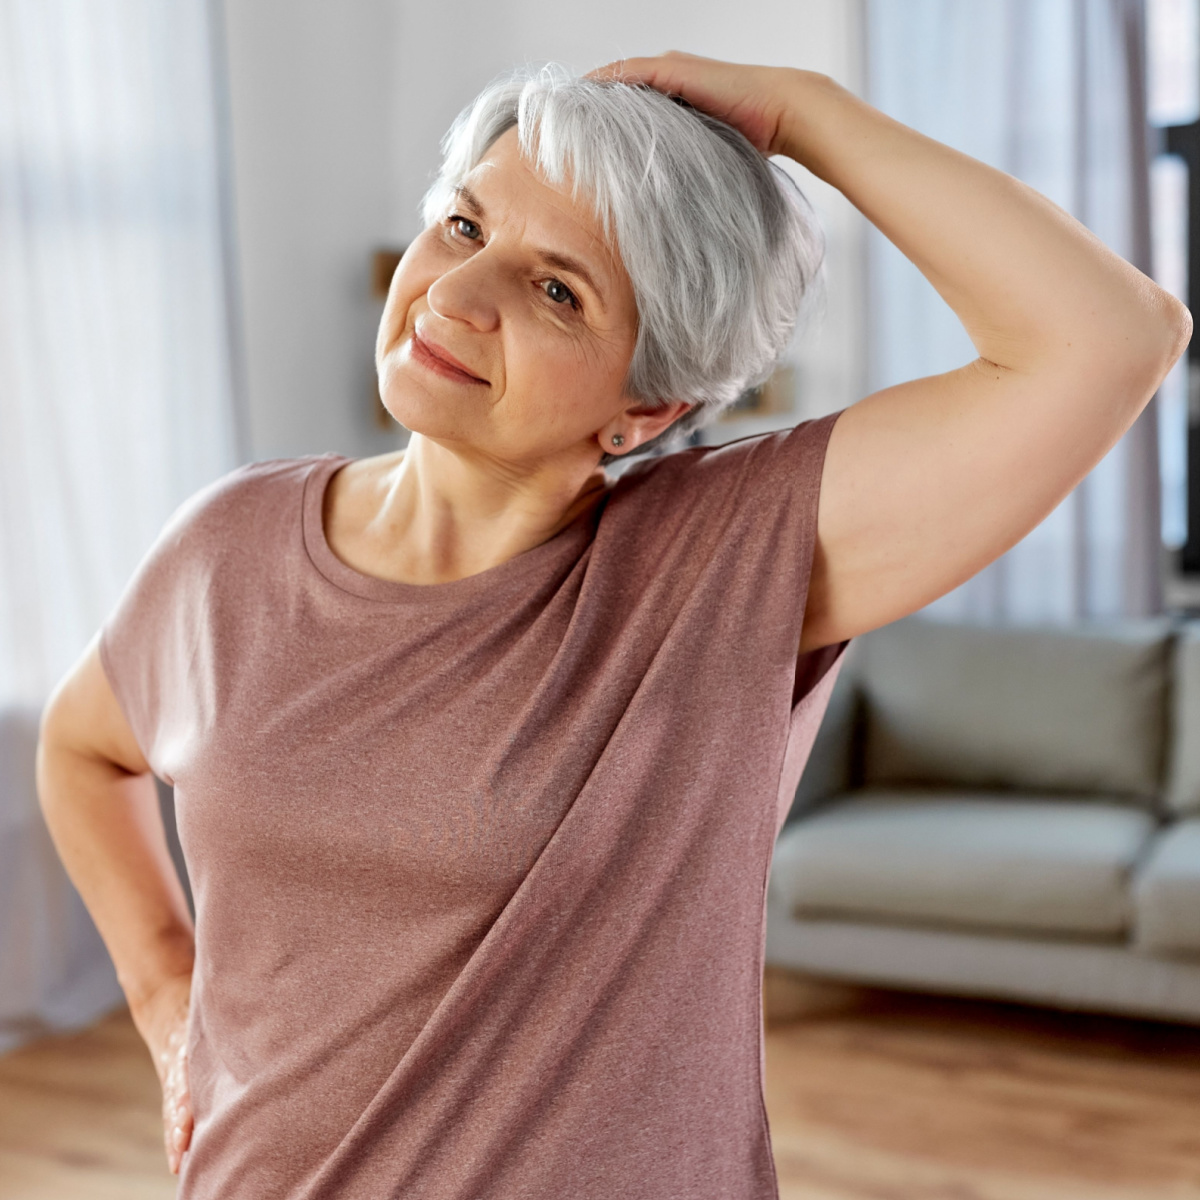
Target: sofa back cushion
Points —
{"points": [[1065, 709], [1183, 770]]}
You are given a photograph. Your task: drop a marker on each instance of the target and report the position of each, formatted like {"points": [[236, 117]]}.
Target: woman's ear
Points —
{"points": [[638, 423]]}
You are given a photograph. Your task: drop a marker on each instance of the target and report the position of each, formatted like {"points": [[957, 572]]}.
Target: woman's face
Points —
{"points": [[517, 285]]}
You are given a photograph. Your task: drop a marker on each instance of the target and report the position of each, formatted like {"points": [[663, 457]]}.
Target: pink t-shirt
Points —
{"points": [[480, 867]]}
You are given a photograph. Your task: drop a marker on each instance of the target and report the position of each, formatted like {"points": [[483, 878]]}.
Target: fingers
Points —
{"points": [[177, 1135], [178, 1120], [163, 1021], [751, 99], [654, 71], [612, 70], [630, 70]]}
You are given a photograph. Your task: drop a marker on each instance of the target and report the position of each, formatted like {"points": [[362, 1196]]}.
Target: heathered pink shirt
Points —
{"points": [[480, 867]]}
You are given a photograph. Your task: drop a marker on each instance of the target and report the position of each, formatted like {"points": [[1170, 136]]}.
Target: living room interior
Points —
{"points": [[982, 936]]}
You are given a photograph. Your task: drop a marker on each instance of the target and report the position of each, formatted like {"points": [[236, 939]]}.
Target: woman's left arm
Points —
{"points": [[927, 482]]}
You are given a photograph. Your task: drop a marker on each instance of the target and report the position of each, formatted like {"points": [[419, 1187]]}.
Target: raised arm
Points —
{"points": [[927, 482], [101, 806]]}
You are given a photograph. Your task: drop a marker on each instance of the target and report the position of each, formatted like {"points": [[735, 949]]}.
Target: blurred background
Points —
{"points": [[201, 203]]}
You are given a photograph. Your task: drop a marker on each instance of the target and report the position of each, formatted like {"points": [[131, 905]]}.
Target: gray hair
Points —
{"points": [[717, 303]]}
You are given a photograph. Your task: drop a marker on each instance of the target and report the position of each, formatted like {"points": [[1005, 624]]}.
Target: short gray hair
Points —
{"points": [[718, 301]]}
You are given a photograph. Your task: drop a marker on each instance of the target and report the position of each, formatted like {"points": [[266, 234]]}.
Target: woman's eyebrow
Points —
{"points": [[462, 192]]}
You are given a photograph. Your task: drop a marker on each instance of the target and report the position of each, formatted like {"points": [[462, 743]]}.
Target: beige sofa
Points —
{"points": [[1004, 812]]}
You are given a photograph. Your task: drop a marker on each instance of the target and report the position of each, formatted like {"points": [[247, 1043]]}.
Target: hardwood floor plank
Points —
{"points": [[879, 1094], [79, 1117]]}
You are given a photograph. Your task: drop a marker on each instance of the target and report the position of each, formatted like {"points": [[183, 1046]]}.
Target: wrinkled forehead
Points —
{"points": [[509, 169], [509, 189], [572, 148]]}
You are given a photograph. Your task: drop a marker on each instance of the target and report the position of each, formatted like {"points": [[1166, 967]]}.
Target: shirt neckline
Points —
{"points": [[566, 545]]}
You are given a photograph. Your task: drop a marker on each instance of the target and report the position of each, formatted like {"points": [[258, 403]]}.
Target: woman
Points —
{"points": [[479, 752]]}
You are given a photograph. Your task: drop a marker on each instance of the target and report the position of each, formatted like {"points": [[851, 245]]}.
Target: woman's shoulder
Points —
{"points": [[247, 495], [234, 519], [759, 463]]}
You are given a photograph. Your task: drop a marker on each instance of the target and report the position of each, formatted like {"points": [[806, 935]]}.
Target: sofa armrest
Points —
{"points": [[832, 767]]}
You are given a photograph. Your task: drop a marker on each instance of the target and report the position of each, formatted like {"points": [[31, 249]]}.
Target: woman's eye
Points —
{"points": [[559, 292], [465, 226]]}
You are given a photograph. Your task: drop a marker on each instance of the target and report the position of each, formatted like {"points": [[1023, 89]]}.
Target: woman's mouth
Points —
{"points": [[433, 358]]}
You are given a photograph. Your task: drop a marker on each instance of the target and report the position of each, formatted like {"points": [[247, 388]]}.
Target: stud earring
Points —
{"points": [[618, 439]]}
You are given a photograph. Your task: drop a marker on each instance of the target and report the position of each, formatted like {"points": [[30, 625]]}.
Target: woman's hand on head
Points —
{"points": [[751, 99], [162, 1020]]}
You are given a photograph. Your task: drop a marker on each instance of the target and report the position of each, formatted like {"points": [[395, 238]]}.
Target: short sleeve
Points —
{"points": [[150, 638], [734, 527]]}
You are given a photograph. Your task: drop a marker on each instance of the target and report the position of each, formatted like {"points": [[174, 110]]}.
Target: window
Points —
{"points": [[1173, 108]]}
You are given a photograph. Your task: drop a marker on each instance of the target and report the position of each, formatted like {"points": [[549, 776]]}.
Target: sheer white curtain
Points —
{"points": [[116, 394], [1053, 92]]}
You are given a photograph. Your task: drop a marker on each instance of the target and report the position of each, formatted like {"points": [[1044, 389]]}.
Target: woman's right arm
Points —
{"points": [[101, 806]]}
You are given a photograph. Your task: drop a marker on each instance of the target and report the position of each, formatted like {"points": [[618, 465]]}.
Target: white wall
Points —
{"points": [[310, 86], [337, 111]]}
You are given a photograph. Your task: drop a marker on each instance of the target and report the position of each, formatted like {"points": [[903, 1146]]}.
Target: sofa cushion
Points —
{"points": [[1183, 771], [1076, 709], [1166, 892], [982, 859]]}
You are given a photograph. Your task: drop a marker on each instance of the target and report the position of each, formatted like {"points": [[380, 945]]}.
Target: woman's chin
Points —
{"points": [[433, 417], [437, 425]]}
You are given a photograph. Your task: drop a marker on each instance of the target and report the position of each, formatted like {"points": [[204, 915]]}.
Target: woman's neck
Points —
{"points": [[430, 514]]}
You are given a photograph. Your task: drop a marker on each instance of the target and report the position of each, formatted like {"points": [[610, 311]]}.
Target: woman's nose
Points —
{"points": [[467, 292]]}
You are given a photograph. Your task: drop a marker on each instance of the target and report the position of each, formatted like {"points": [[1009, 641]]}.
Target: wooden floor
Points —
{"points": [[79, 1118], [877, 1095], [872, 1096]]}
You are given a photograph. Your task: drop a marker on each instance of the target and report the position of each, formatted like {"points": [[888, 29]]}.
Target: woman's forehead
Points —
{"points": [[506, 188]]}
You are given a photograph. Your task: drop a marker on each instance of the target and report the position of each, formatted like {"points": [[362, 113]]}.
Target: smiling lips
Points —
{"points": [[438, 360]]}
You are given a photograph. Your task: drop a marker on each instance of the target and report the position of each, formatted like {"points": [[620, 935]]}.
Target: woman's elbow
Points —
{"points": [[1169, 330], [1180, 324], [1135, 361]]}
